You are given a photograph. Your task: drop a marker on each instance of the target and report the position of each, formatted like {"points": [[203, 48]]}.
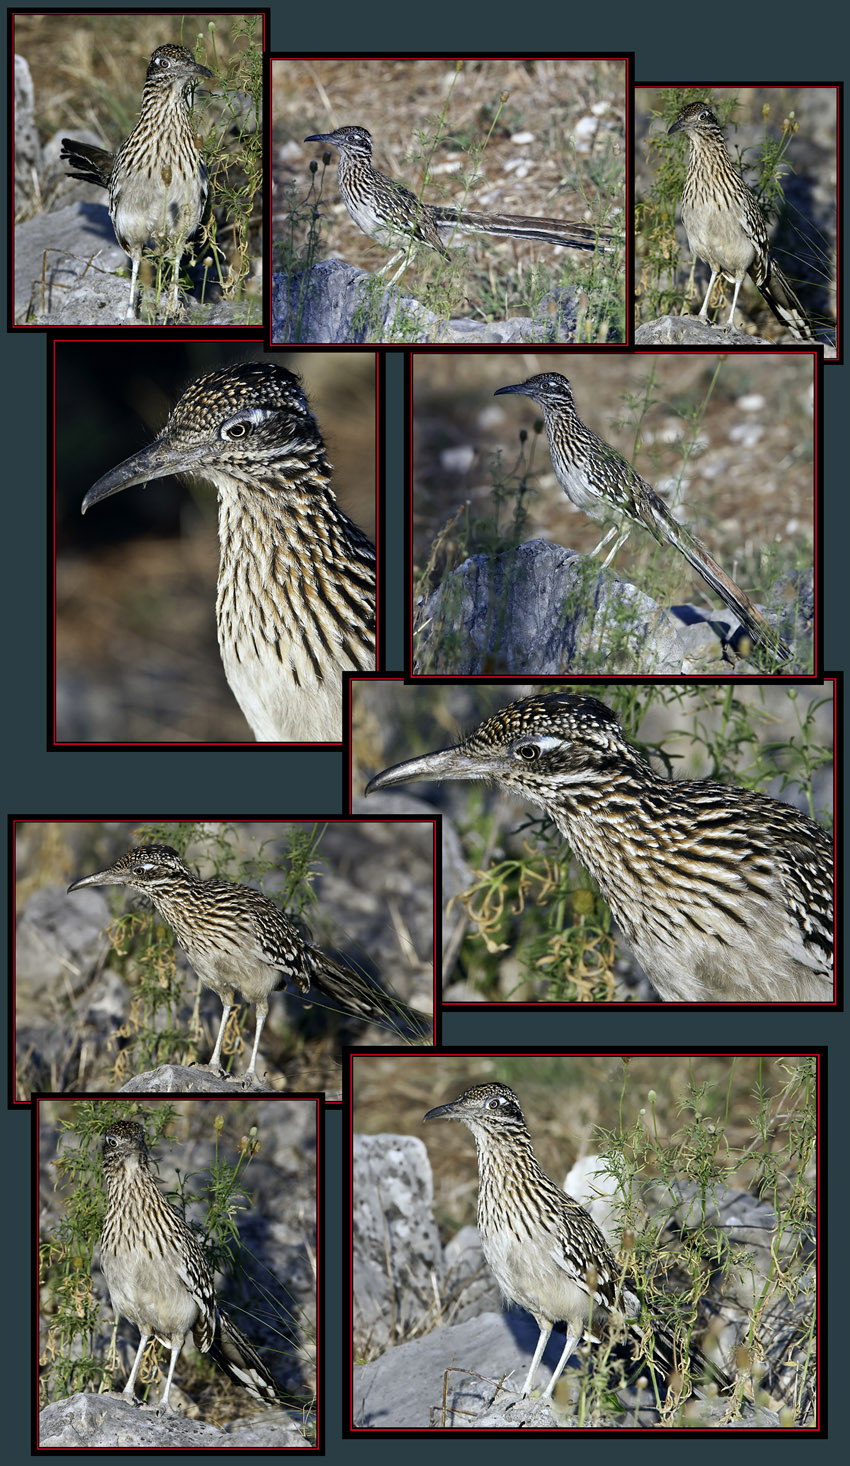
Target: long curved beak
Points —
{"points": [[100, 878], [519, 387], [158, 460], [449, 763], [443, 1112]]}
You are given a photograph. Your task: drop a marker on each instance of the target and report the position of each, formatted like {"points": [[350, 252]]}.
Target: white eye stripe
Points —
{"points": [[248, 415], [543, 744]]}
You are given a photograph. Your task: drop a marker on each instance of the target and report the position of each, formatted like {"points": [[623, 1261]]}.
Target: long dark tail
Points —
{"points": [[352, 991], [702, 1371], [239, 1359], [522, 226], [661, 523], [93, 165], [757, 625], [777, 291]]}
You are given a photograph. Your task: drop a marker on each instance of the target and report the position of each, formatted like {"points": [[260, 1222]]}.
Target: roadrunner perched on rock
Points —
{"points": [[725, 225], [237, 940], [545, 1251], [157, 180], [396, 218], [597, 479], [723, 895], [157, 1274], [296, 578]]}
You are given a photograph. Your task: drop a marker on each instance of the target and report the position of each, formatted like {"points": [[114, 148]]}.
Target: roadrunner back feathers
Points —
{"points": [[724, 895], [296, 578], [157, 180]]}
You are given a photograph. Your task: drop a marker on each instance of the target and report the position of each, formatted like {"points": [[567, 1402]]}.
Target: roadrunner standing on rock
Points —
{"points": [[725, 225], [545, 1251], [723, 895], [396, 218], [157, 180], [296, 578], [597, 479], [237, 940], [157, 1274]]}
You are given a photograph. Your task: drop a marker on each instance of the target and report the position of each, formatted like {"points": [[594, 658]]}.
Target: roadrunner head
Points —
{"points": [[352, 140], [486, 1108], [144, 869], [124, 1141], [174, 66], [536, 746], [250, 422], [549, 389], [693, 117]]}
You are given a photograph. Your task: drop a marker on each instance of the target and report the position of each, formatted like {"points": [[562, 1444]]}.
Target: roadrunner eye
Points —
{"points": [[528, 751], [237, 430]]}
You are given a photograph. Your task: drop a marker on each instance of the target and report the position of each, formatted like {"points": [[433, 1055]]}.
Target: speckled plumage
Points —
{"points": [[396, 218], [723, 894], [236, 939], [297, 579], [725, 225], [599, 481], [157, 180], [157, 1275], [545, 1251]]}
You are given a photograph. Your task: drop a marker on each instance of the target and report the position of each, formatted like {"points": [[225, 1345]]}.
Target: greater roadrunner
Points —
{"points": [[396, 218], [545, 1251], [723, 894], [157, 180], [296, 578], [237, 940], [597, 479], [157, 1274], [726, 227]]}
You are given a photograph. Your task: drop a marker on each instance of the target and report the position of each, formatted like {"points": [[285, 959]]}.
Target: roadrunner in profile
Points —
{"points": [[237, 940], [597, 479], [725, 225], [296, 578], [396, 218], [157, 180], [724, 895], [158, 1276], [546, 1252]]}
